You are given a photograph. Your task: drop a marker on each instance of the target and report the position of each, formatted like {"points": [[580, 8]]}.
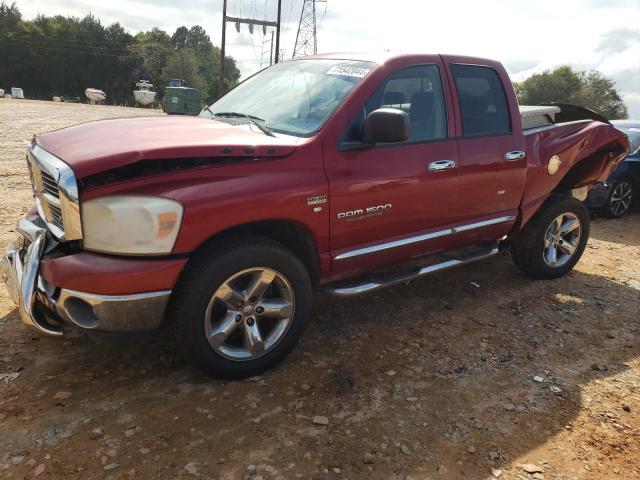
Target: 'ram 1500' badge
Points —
{"points": [[362, 213]]}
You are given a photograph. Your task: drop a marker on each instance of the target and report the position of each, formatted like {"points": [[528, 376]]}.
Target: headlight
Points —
{"points": [[129, 224]]}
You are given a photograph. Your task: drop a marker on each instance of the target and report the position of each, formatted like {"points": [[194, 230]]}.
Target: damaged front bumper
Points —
{"points": [[46, 308]]}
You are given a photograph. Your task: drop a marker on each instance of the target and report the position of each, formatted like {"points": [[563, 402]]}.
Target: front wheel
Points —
{"points": [[240, 308], [553, 241]]}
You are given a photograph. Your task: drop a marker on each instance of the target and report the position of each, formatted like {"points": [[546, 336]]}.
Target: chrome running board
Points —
{"points": [[383, 281]]}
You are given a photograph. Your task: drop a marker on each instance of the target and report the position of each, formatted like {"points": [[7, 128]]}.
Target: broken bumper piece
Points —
{"points": [[46, 308]]}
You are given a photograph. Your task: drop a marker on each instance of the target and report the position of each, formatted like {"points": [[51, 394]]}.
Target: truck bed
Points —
{"points": [[536, 116]]}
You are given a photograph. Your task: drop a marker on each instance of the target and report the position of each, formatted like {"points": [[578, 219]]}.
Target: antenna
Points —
{"points": [[306, 38]]}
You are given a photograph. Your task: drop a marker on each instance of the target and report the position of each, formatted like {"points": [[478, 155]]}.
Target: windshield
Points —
{"points": [[634, 138], [295, 97]]}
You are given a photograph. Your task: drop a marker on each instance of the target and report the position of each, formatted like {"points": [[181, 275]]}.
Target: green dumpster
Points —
{"points": [[181, 101]]}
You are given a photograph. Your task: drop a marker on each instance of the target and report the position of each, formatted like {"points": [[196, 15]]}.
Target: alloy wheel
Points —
{"points": [[561, 240], [621, 199], [249, 314]]}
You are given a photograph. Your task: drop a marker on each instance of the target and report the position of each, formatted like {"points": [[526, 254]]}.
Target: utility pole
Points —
{"points": [[306, 38], [278, 32], [224, 33], [251, 22]]}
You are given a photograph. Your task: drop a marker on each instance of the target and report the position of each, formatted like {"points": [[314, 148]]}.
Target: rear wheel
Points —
{"points": [[240, 309], [620, 199], [554, 239]]}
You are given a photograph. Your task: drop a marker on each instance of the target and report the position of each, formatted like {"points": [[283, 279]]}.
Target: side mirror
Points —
{"points": [[386, 125]]}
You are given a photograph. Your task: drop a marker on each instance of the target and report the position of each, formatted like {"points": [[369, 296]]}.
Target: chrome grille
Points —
{"points": [[56, 216], [56, 193], [49, 184]]}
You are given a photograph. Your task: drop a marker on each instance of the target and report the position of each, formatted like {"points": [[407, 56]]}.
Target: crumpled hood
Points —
{"points": [[102, 145]]}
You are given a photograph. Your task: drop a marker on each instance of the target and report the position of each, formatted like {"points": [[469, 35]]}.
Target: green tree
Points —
{"points": [[199, 41], [179, 38], [197, 61], [183, 64], [231, 74], [9, 18], [64, 55], [564, 85], [600, 94], [155, 48]]}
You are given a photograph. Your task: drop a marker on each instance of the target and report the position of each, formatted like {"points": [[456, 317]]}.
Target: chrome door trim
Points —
{"points": [[440, 165], [396, 243], [514, 156], [420, 238], [484, 223]]}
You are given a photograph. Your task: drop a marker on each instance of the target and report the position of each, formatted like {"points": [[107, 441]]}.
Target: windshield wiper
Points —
{"points": [[254, 120]]}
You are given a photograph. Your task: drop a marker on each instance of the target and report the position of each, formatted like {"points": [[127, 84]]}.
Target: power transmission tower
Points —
{"points": [[306, 38]]}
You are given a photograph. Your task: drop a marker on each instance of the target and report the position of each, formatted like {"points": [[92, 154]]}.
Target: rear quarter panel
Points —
{"points": [[589, 151]]}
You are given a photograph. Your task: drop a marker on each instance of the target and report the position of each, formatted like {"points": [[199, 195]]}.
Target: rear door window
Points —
{"points": [[483, 102]]}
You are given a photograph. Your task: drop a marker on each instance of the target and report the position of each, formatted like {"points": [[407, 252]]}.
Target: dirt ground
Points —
{"points": [[433, 380]]}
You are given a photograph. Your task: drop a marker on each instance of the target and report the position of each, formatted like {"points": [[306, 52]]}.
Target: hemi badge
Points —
{"points": [[316, 199]]}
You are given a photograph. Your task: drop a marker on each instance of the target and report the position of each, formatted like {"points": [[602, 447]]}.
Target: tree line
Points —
{"points": [[61, 56], [564, 85]]}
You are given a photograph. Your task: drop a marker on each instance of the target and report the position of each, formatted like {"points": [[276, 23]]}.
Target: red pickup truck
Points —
{"points": [[345, 172]]}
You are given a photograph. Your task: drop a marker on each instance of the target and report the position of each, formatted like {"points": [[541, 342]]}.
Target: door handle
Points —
{"points": [[440, 165], [514, 156]]}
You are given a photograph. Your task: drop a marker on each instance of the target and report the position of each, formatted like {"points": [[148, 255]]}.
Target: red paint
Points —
{"points": [[274, 181], [109, 275], [572, 143], [94, 146]]}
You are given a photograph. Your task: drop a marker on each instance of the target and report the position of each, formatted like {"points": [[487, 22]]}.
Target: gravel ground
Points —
{"points": [[432, 380]]}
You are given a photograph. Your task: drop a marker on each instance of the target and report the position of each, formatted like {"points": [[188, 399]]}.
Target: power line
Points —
{"points": [[288, 20], [71, 44], [251, 21], [80, 52]]}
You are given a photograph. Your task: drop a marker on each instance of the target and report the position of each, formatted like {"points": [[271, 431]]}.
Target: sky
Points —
{"points": [[527, 36]]}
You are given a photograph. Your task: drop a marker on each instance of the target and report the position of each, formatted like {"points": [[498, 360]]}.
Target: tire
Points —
{"points": [[215, 289], [532, 249], [620, 199]]}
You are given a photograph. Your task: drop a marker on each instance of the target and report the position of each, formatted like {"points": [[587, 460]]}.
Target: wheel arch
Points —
{"points": [[590, 170], [292, 234], [627, 175]]}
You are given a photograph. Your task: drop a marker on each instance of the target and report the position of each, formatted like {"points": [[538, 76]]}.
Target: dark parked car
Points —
{"points": [[617, 195]]}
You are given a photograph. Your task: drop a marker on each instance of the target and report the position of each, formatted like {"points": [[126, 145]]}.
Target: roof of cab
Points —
{"points": [[382, 57], [376, 57]]}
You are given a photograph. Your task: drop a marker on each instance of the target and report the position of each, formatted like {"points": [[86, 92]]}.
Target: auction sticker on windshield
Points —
{"points": [[348, 71]]}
